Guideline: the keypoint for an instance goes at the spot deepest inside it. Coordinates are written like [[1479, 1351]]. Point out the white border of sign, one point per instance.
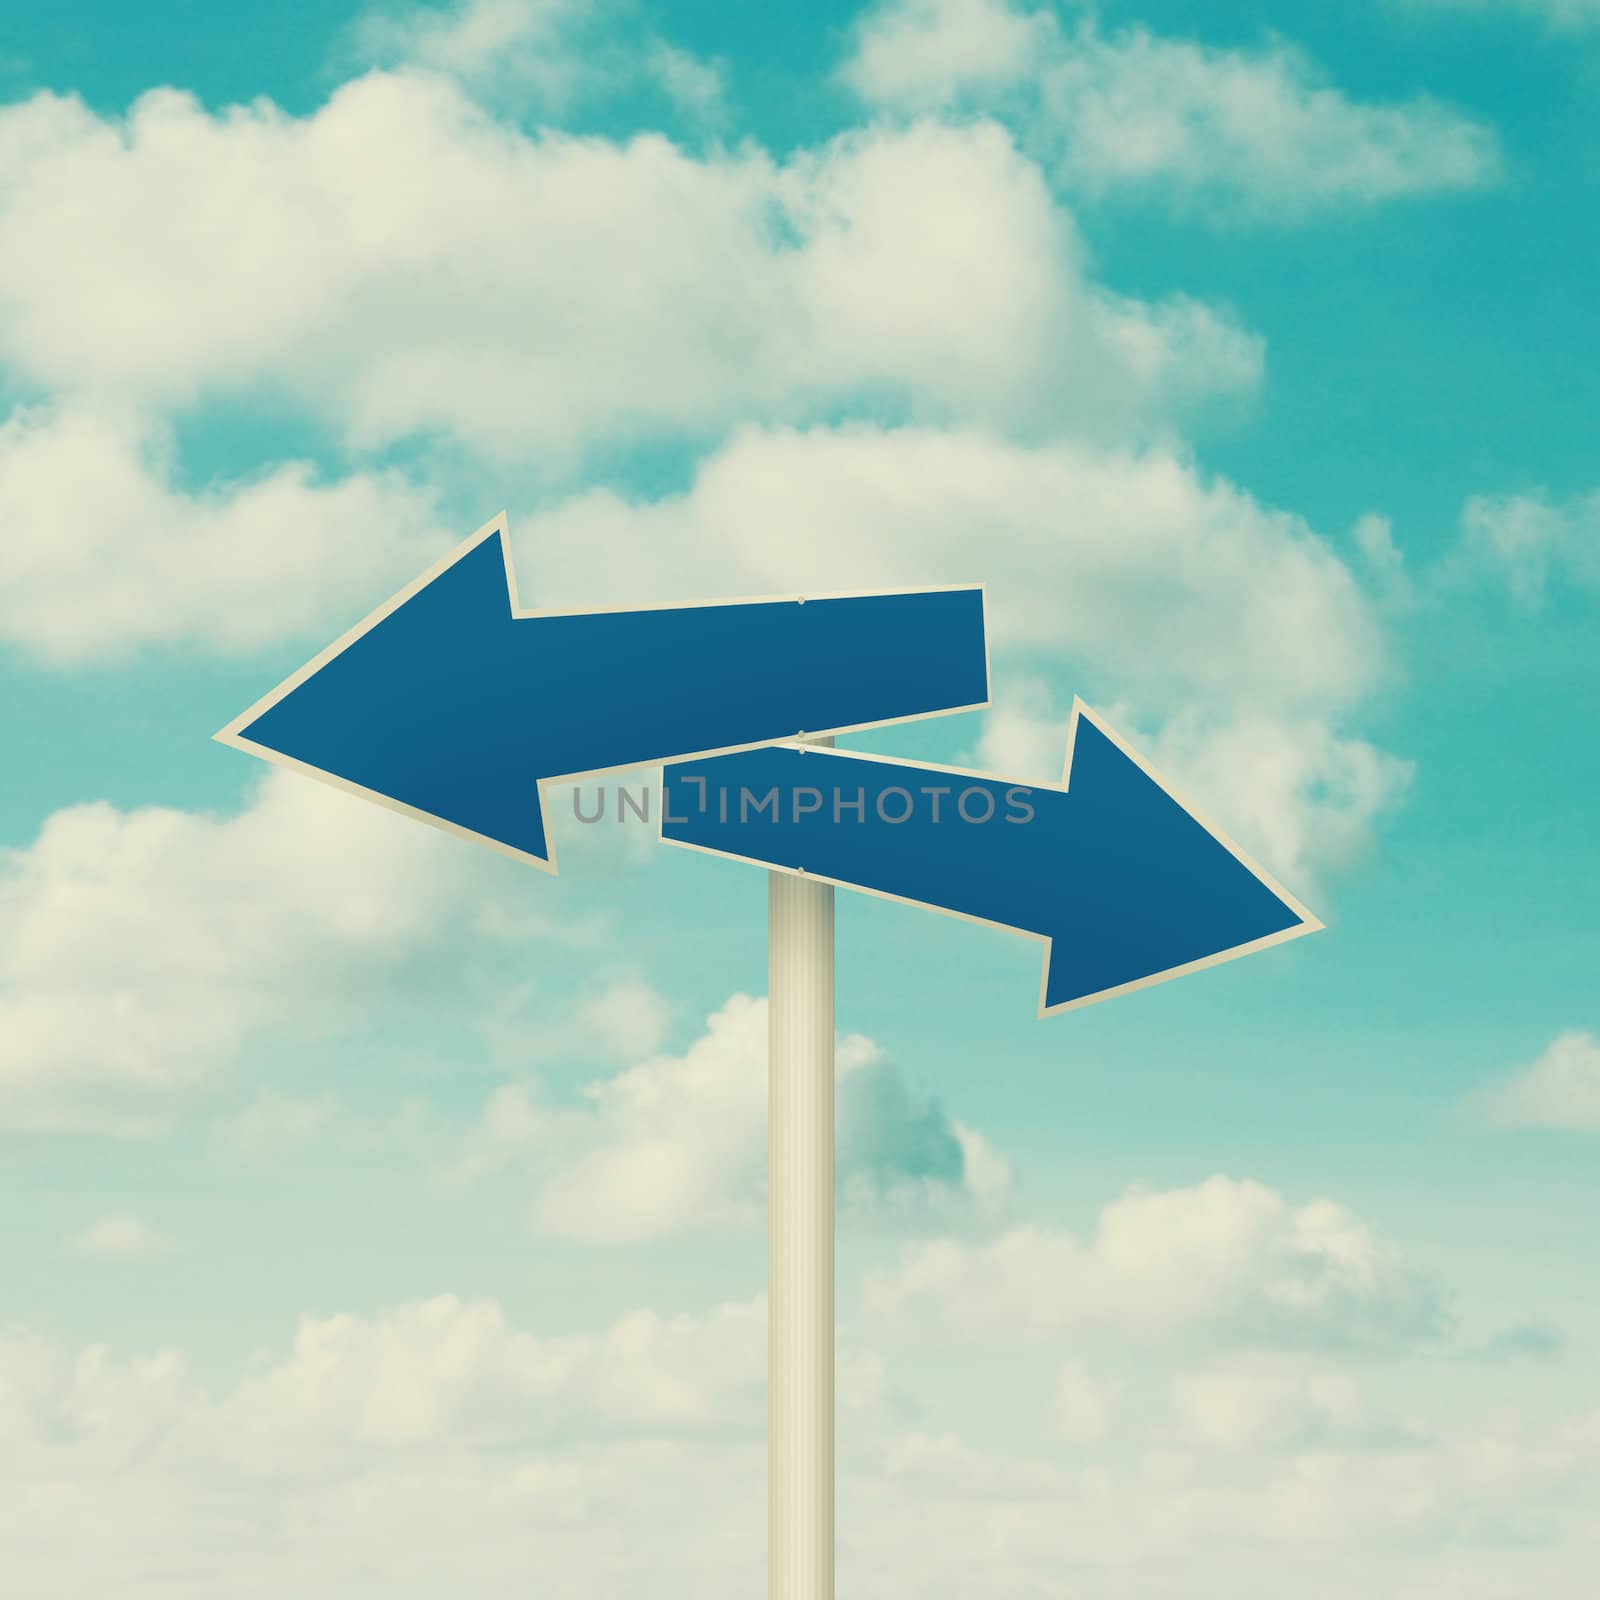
[[232, 734], [1309, 921]]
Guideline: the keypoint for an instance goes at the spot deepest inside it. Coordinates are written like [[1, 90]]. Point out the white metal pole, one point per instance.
[[800, 1237]]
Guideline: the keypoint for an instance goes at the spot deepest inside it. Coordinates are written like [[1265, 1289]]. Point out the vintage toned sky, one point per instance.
[[381, 1217]]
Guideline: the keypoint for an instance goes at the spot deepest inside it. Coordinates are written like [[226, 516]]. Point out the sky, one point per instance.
[[380, 1214]]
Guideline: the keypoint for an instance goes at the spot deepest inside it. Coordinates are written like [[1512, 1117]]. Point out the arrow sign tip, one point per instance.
[[1180, 895], [407, 709]]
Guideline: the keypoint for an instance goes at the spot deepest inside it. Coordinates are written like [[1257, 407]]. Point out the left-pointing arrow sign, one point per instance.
[[453, 704]]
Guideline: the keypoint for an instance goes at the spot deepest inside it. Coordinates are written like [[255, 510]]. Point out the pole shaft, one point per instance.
[[800, 1238]]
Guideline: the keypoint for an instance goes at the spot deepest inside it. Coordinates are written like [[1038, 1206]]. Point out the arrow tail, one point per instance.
[[967, 844]]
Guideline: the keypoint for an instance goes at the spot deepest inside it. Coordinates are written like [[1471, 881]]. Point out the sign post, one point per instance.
[[456, 705], [800, 1111]]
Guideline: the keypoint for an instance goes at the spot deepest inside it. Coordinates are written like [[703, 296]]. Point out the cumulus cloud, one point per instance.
[[675, 1142], [924, 54], [102, 1407], [1300, 797], [545, 55], [110, 554], [121, 1235], [1285, 1407], [1229, 627], [1248, 1491], [140, 949], [426, 1443], [1258, 132], [534, 45], [273, 1121], [1084, 1405], [445, 1439], [1225, 1260], [1384, 561], [1305, 797], [429, 1370], [678, 1142], [1561, 1089], [1526, 539], [412, 266], [1167, 579], [619, 1019]]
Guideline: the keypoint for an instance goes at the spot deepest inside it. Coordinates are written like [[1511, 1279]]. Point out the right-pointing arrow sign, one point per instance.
[[1125, 885]]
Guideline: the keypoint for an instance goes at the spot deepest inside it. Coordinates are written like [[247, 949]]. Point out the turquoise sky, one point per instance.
[[380, 1214]]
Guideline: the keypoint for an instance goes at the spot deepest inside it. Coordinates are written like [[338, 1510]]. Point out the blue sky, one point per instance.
[[380, 1214]]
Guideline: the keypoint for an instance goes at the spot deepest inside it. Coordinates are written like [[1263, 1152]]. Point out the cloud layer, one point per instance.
[[414, 267], [1229, 631], [678, 1143], [139, 950], [1257, 133], [1526, 539], [1226, 1260], [112, 555], [444, 1439], [1561, 1089]]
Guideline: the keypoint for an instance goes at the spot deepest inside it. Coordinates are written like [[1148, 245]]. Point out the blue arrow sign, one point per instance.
[[1119, 878], [453, 704]]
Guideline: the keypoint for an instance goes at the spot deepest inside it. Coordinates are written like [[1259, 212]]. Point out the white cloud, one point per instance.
[[273, 1121], [1228, 625], [444, 1440], [1084, 1405], [533, 45], [1168, 581], [1383, 560], [1528, 538], [670, 1144], [413, 266], [510, 1126], [1247, 1407], [1559, 1090], [1224, 1260], [357, 237], [679, 1142], [108, 555], [547, 55], [121, 1235], [1024, 732], [621, 1020], [1255, 131], [1297, 796], [428, 1443], [108, 1407], [985, 1173], [1413, 1522], [1302, 797], [140, 949], [628, 1017], [921, 55], [429, 1370], [695, 86]]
